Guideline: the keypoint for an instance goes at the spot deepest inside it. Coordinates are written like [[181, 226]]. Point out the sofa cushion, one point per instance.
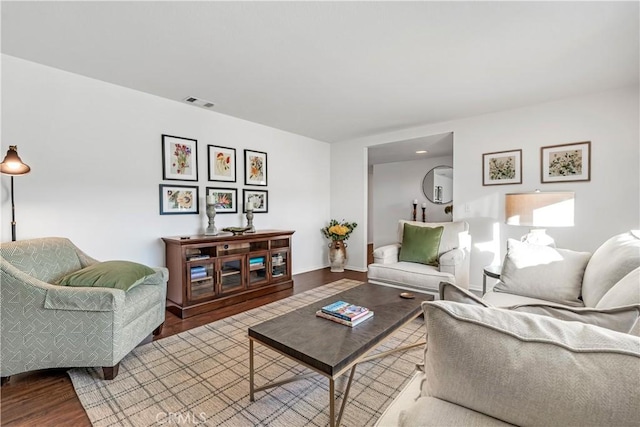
[[122, 275], [408, 275], [539, 370], [431, 412], [620, 319], [420, 244], [544, 272], [452, 234], [613, 260], [503, 299]]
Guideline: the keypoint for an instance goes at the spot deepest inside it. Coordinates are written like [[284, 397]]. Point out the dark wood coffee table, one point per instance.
[[329, 348]]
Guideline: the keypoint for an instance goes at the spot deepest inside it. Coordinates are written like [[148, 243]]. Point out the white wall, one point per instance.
[[606, 205], [95, 153], [395, 186]]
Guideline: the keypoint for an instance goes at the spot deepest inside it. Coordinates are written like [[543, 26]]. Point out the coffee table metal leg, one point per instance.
[[332, 402], [345, 396], [251, 398]]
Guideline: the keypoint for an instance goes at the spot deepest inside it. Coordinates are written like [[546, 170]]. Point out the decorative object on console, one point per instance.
[[178, 199], [211, 213], [236, 230], [338, 232], [415, 205], [502, 167], [255, 168], [565, 162], [540, 209], [424, 215], [13, 165], [249, 209], [225, 199], [179, 158], [258, 199]]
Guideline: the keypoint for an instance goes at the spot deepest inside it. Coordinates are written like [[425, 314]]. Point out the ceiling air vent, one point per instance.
[[199, 102]]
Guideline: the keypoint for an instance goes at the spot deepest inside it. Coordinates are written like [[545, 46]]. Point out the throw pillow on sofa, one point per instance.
[[122, 275], [420, 244], [543, 272], [624, 319]]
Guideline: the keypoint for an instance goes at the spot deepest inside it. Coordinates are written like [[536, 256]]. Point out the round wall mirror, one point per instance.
[[437, 185]]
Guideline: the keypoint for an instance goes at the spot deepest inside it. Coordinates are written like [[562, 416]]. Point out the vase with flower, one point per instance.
[[338, 233]]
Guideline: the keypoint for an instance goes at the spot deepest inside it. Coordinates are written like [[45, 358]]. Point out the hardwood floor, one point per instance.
[[47, 397]]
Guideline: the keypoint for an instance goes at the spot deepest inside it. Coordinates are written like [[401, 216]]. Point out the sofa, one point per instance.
[[47, 325], [452, 260], [532, 351]]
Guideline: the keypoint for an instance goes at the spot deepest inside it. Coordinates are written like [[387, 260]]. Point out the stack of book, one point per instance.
[[257, 262], [345, 313], [198, 272]]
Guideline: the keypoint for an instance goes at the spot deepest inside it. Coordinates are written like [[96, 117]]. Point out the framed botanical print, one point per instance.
[[225, 199], [502, 167], [178, 199], [222, 163], [565, 162], [255, 199], [255, 168], [179, 158]]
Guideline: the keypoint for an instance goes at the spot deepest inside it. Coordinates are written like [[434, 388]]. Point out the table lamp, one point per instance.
[[13, 165], [540, 210]]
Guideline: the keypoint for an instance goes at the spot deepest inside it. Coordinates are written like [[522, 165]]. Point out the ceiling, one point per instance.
[[336, 71]]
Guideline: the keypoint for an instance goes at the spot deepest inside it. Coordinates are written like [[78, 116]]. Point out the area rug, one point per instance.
[[201, 377]]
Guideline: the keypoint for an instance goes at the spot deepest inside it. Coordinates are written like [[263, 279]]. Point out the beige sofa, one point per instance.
[[546, 359], [453, 257]]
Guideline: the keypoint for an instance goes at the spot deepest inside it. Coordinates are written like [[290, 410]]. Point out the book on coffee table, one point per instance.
[[345, 310], [353, 323]]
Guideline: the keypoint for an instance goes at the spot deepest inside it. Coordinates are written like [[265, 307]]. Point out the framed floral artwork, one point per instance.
[[255, 168], [502, 167], [179, 158], [257, 199], [178, 199], [566, 162], [222, 163], [225, 199]]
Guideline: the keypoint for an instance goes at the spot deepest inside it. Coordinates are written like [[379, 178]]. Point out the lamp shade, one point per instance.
[[12, 164], [540, 209]]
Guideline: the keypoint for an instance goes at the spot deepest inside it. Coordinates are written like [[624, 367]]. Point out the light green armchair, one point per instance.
[[48, 326]]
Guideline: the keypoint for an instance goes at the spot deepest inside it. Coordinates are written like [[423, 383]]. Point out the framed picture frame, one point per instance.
[[502, 167], [178, 199], [258, 198], [179, 158], [255, 168], [226, 199], [565, 162], [222, 163]]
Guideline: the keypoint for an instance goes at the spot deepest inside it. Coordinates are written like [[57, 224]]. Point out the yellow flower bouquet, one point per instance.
[[338, 230]]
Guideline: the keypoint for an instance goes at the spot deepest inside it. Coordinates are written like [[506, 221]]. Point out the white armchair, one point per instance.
[[453, 256]]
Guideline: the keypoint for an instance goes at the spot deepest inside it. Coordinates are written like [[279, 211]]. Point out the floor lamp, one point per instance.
[[13, 165]]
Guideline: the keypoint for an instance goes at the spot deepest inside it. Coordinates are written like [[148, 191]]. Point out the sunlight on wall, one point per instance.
[[492, 246]]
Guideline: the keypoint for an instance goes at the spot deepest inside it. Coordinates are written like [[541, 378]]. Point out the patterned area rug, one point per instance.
[[201, 376]]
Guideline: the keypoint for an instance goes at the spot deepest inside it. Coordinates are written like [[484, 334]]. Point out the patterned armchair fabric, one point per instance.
[[49, 326]]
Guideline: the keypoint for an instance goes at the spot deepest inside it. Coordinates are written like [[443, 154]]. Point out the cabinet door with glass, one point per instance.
[[257, 268], [231, 274], [200, 280], [280, 265]]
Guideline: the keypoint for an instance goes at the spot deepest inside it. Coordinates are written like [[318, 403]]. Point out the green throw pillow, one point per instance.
[[420, 244], [109, 274]]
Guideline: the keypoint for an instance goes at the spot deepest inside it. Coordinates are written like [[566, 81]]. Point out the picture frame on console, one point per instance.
[[255, 168], [179, 158], [226, 199], [259, 199], [222, 163], [502, 167], [565, 162], [178, 199]]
